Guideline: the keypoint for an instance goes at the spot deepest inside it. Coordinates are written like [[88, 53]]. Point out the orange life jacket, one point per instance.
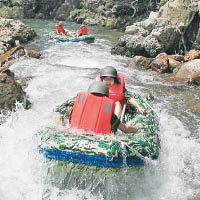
[[92, 113], [84, 30], [116, 92], [60, 29]]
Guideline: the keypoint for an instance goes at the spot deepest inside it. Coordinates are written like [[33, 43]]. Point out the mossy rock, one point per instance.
[[111, 22], [11, 12]]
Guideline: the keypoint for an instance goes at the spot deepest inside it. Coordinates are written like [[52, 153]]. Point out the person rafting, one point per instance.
[[60, 30], [117, 91], [94, 111], [82, 31]]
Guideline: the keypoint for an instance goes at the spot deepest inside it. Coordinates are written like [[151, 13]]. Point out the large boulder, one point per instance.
[[179, 13], [11, 31], [189, 69], [175, 28], [139, 62], [11, 92]]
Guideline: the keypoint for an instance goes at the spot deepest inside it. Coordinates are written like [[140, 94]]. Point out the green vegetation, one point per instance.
[[161, 3], [75, 13], [14, 12], [100, 9], [111, 22]]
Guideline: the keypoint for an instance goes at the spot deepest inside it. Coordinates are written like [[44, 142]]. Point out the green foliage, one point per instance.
[[111, 22], [11, 12], [100, 9], [75, 12], [161, 3]]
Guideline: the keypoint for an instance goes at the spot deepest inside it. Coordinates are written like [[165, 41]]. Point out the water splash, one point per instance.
[[64, 70]]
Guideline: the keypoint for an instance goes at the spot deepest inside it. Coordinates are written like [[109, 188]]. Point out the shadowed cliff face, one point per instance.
[[50, 9], [112, 14], [44, 9]]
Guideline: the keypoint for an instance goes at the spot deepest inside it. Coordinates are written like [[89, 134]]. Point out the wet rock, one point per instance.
[[32, 53], [195, 80], [191, 55], [23, 81], [177, 81], [196, 108], [177, 57], [174, 65], [10, 90], [12, 30], [161, 63], [135, 29], [10, 93], [139, 62], [175, 28], [179, 12], [189, 72], [7, 65], [188, 69]]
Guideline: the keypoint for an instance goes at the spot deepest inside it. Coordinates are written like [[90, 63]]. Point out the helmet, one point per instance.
[[109, 71], [61, 23], [98, 87]]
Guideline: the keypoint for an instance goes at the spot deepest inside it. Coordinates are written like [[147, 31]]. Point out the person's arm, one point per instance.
[[130, 129], [57, 32], [86, 31], [131, 100], [62, 32], [115, 124], [77, 33], [70, 34], [136, 104], [118, 109]]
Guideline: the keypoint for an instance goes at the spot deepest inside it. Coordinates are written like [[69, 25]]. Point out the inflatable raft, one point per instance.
[[110, 151], [64, 38]]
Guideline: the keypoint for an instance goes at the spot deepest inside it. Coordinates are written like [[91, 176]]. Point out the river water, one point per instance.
[[67, 68]]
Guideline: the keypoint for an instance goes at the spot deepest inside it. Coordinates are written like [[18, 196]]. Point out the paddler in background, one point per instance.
[[83, 31], [60, 30]]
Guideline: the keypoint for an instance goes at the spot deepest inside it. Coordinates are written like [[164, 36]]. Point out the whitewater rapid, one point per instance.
[[63, 70]]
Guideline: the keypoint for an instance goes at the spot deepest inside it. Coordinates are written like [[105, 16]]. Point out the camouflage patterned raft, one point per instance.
[[65, 38], [112, 151]]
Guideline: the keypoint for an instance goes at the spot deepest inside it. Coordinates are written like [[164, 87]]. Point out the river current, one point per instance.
[[67, 68]]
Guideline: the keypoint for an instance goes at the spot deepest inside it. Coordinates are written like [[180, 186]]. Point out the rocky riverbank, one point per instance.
[[167, 41], [13, 32], [174, 29]]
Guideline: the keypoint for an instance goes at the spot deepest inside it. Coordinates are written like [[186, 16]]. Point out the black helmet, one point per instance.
[[109, 71], [98, 87]]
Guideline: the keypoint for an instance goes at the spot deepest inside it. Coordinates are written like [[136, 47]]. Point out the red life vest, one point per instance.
[[116, 92], [84, 30], [60, 29], [92, 113]]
